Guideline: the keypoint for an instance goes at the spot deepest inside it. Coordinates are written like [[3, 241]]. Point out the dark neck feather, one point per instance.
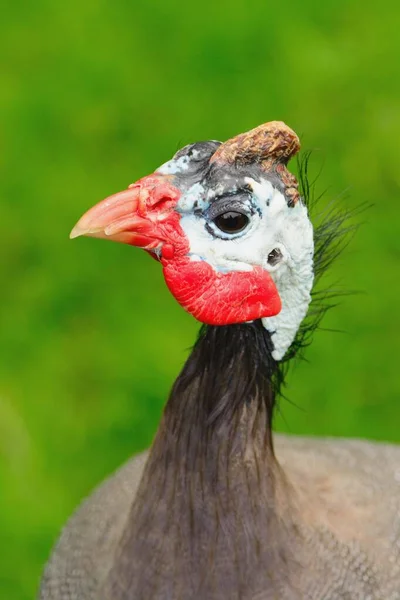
[[207, 520], [230, 372]]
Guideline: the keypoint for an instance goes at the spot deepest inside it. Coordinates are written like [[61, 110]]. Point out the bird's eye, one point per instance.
[[231, 222]]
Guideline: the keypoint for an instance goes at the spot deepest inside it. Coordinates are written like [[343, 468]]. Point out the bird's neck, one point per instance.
[[208, 514], [221, 405]]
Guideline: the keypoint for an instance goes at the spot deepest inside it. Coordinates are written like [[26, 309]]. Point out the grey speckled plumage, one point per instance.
[[348, 495]]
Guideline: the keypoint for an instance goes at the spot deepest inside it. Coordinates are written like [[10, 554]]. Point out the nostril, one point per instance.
[[163, 204], [274, 257], [160, 208]]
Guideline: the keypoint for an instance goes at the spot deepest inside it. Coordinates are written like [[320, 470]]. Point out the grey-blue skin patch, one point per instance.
[[189, 163], [193, 200], [208, 203]]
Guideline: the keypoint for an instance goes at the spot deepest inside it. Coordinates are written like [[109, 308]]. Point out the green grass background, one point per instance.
[[96, 94]]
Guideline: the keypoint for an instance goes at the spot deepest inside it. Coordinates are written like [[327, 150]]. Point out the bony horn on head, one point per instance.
[[270, 146]]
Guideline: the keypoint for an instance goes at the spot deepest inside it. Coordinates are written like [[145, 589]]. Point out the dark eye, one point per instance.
[[231, 222]]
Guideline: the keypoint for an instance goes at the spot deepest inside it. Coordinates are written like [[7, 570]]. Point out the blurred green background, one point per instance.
[[96, 94]]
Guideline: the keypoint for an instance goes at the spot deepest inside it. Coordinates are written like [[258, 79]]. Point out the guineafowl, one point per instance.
[[219, 508]]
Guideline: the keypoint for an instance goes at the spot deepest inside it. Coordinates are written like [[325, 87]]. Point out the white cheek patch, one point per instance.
[[294, 280], [274, 226]]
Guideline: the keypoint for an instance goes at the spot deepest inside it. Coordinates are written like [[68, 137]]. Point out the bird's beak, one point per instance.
[[134, 216]]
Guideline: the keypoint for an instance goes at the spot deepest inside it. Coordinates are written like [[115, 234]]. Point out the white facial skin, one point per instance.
[[273, 225], [177, 165]]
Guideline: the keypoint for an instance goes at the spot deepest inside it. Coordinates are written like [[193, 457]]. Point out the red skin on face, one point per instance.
[[212, 297], [145, 216]]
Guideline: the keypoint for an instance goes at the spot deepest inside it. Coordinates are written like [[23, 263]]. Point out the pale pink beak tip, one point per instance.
[[90, 232], [76, 232]]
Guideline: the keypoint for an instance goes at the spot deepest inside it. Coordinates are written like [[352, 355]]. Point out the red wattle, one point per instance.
[[221, 298]]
